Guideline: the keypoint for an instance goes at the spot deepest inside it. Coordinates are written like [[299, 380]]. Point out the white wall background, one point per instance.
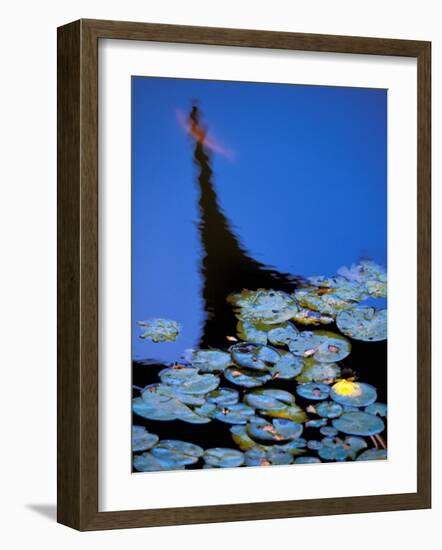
[[28, 268]]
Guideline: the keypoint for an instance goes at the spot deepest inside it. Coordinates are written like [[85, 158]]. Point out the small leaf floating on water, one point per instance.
[[359, 423], [313, 390], [264, 306], [220, 457], [142, 440], [159, 330], [363, 323], [373, 454]]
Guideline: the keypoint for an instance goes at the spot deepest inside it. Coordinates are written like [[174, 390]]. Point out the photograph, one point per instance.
[[258, 273]]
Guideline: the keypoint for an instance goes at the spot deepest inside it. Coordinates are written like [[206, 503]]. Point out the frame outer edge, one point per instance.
[[77, 225], [424, 275], [68, 273]]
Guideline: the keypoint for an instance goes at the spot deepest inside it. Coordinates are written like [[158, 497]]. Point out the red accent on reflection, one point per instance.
[[198, 133]]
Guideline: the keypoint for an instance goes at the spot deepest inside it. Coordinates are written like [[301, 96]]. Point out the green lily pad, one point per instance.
[[239, 413], [251, 333], [307, 316], [247, 378], [373, 454], [307, 460], [322, 346], [271, 399], [177, 452], [146, 462], [368, 274], [159, 330], [189, 380], [220, 457], [329, 300], [313, 390], [210, 360], [292, 412], [287, 367], [318, 372], [328, 409], [254, 356], [175, 392], [316, 423], [363, 323], [275, 432], [283, 335], [334, 448], [264, 306], [359, 423], [223, 396], [142, 440], [328, 431], [378, 409], [357, 394], [261, 457], [242, 438], [155, 405]]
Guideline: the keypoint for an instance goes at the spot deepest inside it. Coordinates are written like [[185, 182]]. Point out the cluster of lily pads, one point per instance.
[[277, 338]]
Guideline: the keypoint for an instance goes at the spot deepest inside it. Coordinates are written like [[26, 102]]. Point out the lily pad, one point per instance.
[[155, 405], [359, 423], [277, 431], [239, 413], [307, 316], [220, 457], [328, 300], [313, 390], [368, 274], [247, 378], [357, 394], [318, 372], [159, 330], [287, 367], [307, 460], [251, 333], [223, 396], [210, 360], [378, 409], [264, 306], [271, 399], [373, 454], [142, 440], [254, 356], [179, 453], [334, 448], [283, 335], [328, 431], [189, 380], [328, 409], [261, 457], [292, 412], [316, 423], [323, 346], [242, 438], [363, 323], [146, 462]]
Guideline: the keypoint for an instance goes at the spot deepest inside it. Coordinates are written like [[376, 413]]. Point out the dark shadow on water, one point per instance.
[[226, 266], [49, 511]]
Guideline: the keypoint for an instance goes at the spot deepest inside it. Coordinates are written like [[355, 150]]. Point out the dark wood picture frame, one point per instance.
[[78, 274]]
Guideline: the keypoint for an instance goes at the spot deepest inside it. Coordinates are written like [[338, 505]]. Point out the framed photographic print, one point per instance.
[[244, 275]]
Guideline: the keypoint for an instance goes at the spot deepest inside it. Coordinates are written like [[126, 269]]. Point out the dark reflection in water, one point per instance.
[[227, 267]]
